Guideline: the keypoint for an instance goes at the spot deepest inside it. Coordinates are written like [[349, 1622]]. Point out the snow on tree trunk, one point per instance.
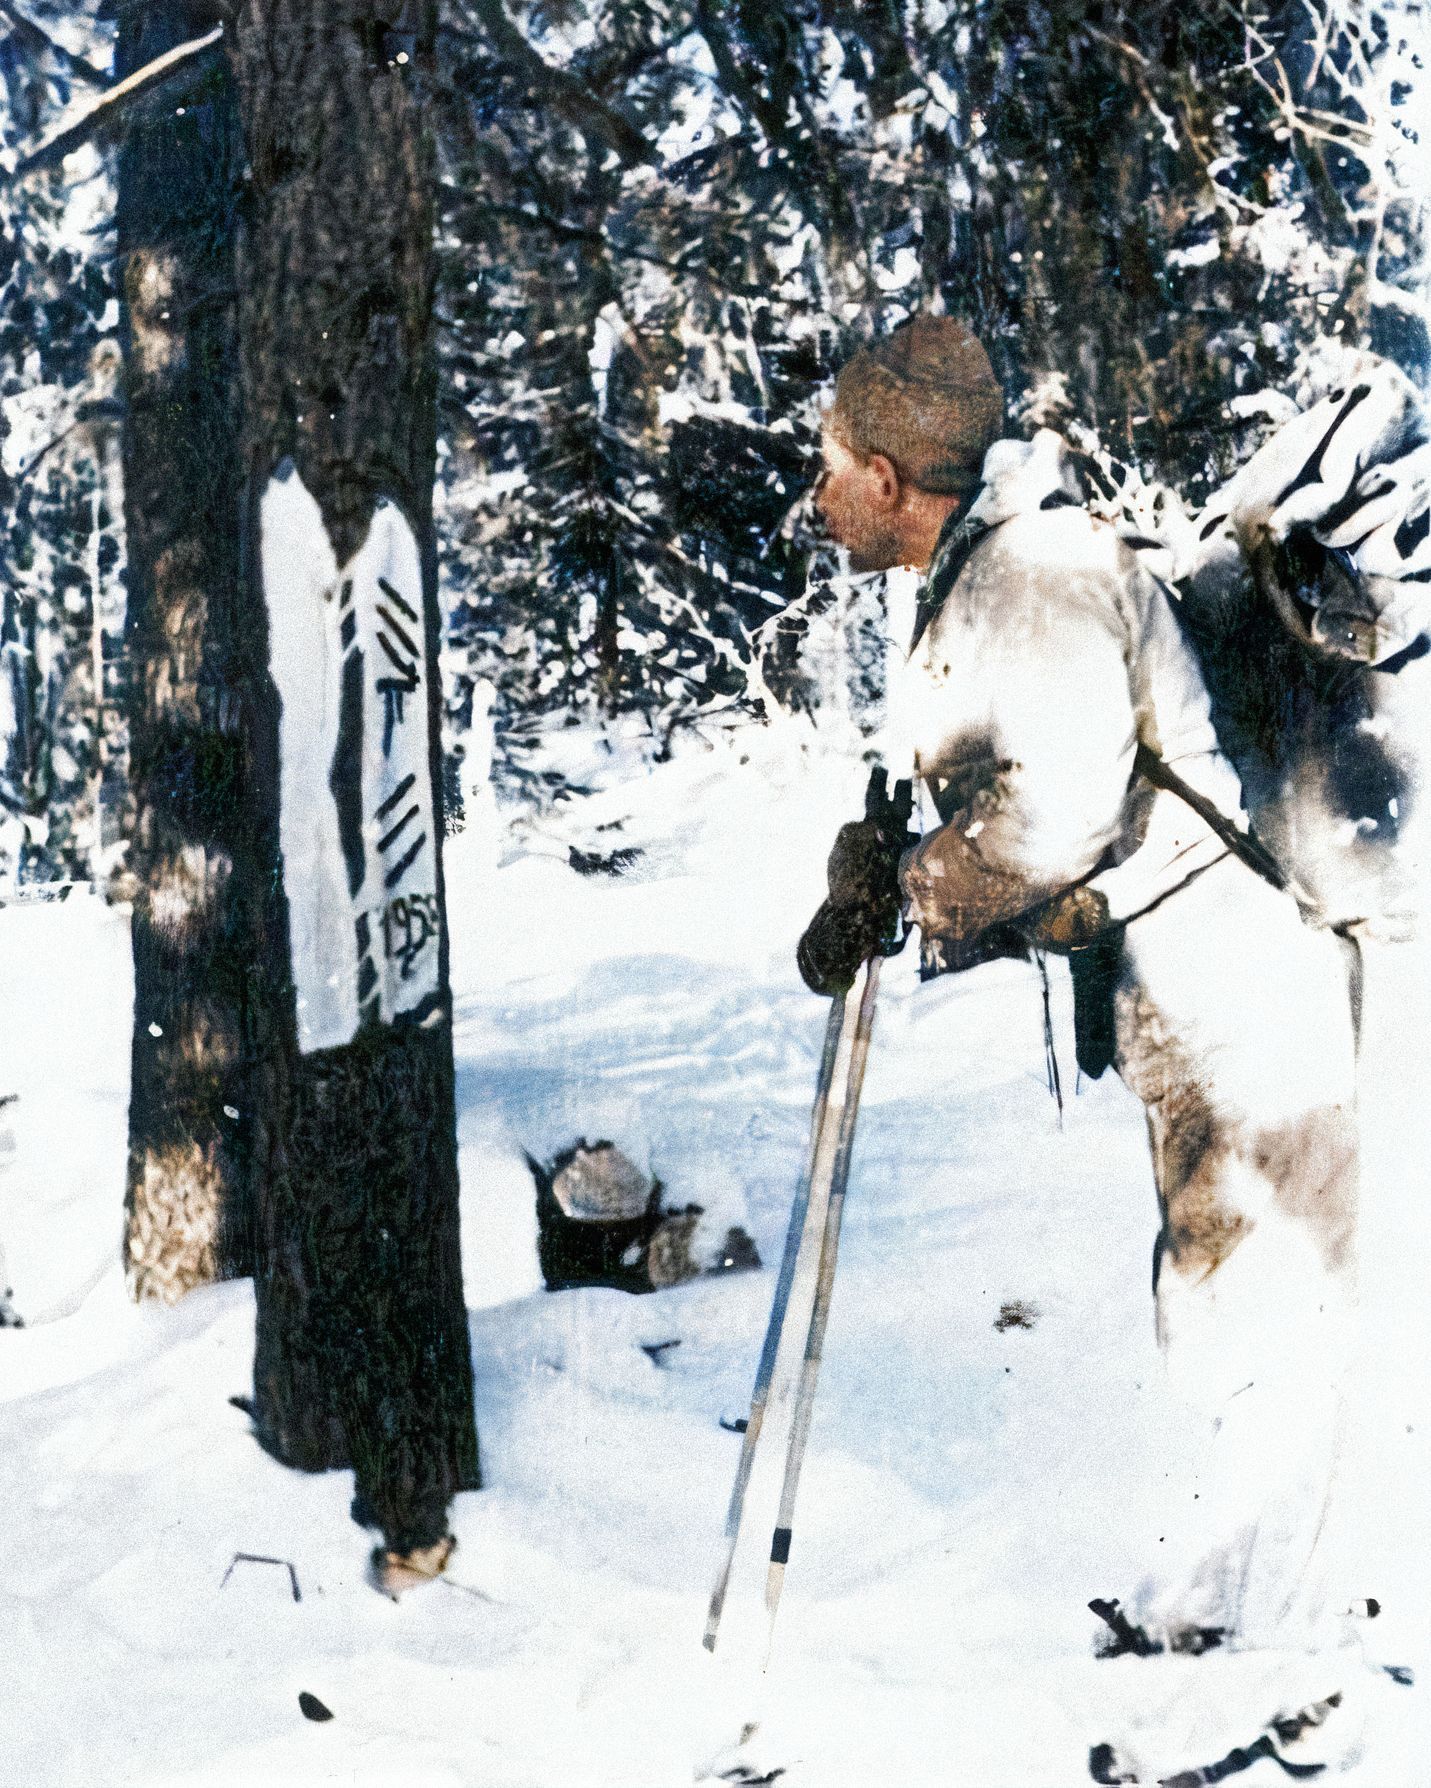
[[191, 860], [362, 1350]]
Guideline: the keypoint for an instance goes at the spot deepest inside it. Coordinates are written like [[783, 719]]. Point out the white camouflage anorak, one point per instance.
[[1050, 655]]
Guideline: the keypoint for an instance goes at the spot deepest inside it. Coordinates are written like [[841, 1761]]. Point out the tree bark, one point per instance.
[[362, 1348], [191, 864]]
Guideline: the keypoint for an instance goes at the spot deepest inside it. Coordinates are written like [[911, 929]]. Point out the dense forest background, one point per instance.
[[662, 225]]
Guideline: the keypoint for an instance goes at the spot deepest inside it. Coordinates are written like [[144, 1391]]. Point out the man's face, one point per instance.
[[858, 506]]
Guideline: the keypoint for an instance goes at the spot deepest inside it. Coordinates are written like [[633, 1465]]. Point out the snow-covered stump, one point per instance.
[[362, 1353], [601, 1220], [597, 1213], [191, 864]]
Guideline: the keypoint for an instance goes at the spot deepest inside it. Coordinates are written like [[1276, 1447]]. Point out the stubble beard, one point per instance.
[[879, 550]]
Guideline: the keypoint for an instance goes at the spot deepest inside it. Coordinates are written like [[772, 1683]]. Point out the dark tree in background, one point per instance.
[[61, 528], [192, 870], [362, 1352], [1172, 205]]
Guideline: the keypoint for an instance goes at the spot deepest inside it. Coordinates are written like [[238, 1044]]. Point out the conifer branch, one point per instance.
[[39, 39], [570, 97], [84, 121]]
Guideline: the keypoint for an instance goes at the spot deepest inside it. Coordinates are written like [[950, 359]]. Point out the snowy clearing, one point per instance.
[[991, 1434]]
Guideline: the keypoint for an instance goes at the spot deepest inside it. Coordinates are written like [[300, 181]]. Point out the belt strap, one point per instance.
[[1253, 853]]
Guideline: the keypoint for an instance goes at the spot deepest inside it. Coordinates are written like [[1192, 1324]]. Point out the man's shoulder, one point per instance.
[[1063, 537], [1038, 570], [1032, 502]]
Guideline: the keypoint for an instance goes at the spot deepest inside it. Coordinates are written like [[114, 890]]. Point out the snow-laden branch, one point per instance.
[[1390, 297], [40, 39], [569, 96], [81, 122]]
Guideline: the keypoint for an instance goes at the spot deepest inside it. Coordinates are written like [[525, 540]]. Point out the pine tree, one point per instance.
[[192, 870], [362, 1350]]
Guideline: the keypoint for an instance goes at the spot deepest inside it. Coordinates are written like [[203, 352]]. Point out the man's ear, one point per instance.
[[888, 490]]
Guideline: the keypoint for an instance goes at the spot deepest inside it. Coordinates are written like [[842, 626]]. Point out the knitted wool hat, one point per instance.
[[926, 398]]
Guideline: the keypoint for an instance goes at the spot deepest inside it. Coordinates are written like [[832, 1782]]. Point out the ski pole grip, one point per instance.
[[892, 813]]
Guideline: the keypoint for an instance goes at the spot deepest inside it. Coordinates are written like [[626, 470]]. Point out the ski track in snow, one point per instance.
[[966, 1491]]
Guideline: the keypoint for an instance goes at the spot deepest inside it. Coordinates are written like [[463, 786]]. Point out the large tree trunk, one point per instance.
[[191, 862], [362, 1352]]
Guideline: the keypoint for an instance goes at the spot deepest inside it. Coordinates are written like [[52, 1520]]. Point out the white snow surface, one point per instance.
[[967, 1488]]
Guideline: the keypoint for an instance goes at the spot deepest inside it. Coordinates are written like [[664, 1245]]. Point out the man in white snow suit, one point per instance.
[[1063, 735]]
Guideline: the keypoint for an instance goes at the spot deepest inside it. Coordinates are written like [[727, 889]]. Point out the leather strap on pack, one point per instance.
[[1253, 853]]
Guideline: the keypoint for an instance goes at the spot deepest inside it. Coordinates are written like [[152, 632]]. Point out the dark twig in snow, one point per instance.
[[259, 1558]]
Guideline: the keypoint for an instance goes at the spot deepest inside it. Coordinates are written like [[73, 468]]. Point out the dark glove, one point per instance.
[[1070, 922], [862, 916]]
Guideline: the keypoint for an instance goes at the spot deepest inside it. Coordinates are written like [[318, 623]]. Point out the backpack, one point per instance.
[[1304, 589]]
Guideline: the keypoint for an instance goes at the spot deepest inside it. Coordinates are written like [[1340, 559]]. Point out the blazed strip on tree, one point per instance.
[[192, 859], [362, 1351]]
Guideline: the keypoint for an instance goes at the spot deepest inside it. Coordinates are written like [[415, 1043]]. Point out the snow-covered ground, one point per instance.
[[970, 1483]]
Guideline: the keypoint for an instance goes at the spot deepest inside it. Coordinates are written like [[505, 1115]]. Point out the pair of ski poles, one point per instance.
[[784, 1395]]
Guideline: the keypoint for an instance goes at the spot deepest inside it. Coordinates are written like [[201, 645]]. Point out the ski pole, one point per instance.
[[785, 1378], [774, 1328], [783, 1534], [794, 1338]]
